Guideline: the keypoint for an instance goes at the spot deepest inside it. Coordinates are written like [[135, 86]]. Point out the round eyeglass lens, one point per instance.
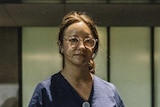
[[89, 42]]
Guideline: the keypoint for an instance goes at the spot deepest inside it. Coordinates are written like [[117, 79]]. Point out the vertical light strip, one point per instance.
[[157, 67]]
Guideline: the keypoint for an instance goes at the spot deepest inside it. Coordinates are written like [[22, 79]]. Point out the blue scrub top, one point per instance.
[[57, 92]]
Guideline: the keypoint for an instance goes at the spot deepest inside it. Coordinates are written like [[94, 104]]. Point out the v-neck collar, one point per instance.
[[76, 93]]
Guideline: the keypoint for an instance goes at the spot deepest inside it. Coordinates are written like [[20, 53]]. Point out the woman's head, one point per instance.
[[76, 17]]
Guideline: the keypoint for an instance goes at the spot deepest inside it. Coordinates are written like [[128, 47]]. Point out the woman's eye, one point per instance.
[[88, 40], [73, 40]]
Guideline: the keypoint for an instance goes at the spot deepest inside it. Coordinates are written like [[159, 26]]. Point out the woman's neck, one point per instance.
[[77, 74]]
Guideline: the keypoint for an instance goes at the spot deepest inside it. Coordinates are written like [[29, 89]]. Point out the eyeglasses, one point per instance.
[[87, 42]]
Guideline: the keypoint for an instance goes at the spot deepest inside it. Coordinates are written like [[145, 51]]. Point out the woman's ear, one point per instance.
[[60, 47]]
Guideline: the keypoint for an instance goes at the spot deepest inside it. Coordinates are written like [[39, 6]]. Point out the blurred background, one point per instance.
[[129, 53]]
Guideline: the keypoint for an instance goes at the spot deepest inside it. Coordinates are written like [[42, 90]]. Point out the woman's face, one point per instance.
[[75, 52]]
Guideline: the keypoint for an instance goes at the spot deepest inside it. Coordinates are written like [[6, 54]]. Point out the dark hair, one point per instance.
[[74, 17]]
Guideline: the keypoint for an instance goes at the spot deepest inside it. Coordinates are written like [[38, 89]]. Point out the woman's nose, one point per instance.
[[81, 44]]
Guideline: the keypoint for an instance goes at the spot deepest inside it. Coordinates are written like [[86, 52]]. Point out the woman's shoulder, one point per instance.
[[103, 83], [47, 82], [105, 89]]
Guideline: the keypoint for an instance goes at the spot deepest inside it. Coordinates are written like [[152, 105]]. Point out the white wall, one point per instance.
[[130, 64]]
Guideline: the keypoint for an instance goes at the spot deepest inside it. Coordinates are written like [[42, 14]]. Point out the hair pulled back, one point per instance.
[[75, 17]]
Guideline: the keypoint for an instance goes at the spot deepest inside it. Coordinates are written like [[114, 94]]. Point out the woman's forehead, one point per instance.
[[77, 29]]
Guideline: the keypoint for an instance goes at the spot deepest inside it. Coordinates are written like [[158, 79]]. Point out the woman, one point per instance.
[[76, 85]]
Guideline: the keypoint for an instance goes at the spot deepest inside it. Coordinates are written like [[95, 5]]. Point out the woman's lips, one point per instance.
[[83, 55]]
